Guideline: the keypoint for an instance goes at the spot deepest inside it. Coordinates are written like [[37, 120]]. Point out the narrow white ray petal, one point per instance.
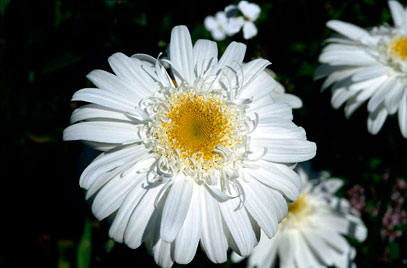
[[136, 232], [270, 175], [258, 204], [304, 252], [105, 98], [181, 54], [352, 105], [213, 240], [369, 83], [187, 240], [286, 150], [106, 132], [278, 129], [397, 12], [370, 72], [112, 194], [351, 31], [98, 112], [380, 94], [265, 253], [110, 82], [258, 86], [239, 226], [392, 100], [333, 239], [353, 58], [121, 221], [128, 69], [293, 101], [330, 185], [176, 207], [340, 96], [286, 250], [402, 114], [233, 56], [205, 54], [272, 111], [162, 254], [319, 247], [348, 226]]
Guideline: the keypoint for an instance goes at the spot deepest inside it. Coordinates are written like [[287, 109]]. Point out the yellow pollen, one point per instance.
[[399, 47], [197, 125], [299, 209]]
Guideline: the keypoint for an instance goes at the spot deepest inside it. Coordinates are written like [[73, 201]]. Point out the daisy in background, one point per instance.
[[195, 154], [371, 65], [234, 18], [312, 233]]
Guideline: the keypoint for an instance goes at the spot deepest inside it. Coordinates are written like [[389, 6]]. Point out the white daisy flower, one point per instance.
[[369, 64], [219, 26], [312, 233], [195, 155]]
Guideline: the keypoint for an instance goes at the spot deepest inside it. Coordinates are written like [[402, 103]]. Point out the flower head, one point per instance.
[[369, 65], [311, 234], [195, 153]]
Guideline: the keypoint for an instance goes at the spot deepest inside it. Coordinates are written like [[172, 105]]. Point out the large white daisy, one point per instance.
[[312, 233], [369, 64], [198, 154]]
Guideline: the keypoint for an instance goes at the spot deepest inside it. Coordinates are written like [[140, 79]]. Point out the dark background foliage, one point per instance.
[[47, 48]]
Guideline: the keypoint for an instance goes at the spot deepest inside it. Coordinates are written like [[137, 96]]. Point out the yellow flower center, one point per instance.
[[399, 47], [298, 212], [196, 126]]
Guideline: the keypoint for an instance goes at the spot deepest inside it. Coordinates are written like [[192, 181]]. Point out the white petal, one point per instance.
[[264, 255], [176, 208], [121, 221], [181, 52], [273, 111], [106, 132], [402, 115], [188, 237], [112, 83], [392, 100], [351, 31], [205, 56], [340, 96], [260, 85], [98, 112], [111, 196], [273, 176], [233, 56], [249, 30], [238, 223], [330, 186], [127, 69], [292, 100], [397, 12], [251, 71], [286, 150], [218, 35], [319, 247], [141, 217], [210, 23], [108, 161], [376, 120], [260, 207], [105, 98], [213, 240], [380, 94], [162, 254], [370, 72], [249, 10], [278, 129]]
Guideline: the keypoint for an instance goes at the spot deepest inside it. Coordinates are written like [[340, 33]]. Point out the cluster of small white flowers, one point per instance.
[[232, 19]]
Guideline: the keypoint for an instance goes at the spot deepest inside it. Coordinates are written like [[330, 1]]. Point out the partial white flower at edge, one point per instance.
[[371, 65], [250, 12], [312, 233], [195, 154]]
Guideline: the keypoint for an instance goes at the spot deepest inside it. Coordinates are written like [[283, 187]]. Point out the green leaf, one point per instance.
[[85, 246]]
